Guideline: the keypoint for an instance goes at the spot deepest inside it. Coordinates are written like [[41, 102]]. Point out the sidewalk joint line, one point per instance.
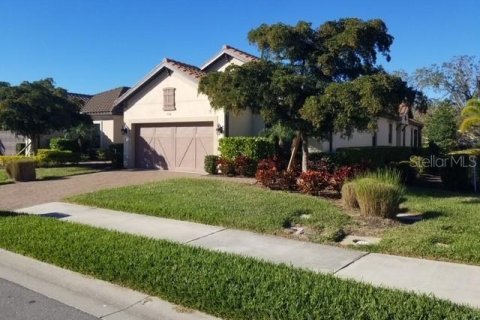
[[125, 308], [351, 262], [204, 236]]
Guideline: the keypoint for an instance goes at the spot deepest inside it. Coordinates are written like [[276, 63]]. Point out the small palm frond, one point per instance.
[[470, 123]]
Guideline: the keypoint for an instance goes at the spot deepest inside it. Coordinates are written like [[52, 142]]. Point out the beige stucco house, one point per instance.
[[400, 131], [107, 118], [169, 125]]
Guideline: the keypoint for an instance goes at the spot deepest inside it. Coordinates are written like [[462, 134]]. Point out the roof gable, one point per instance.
[[190, 71], [229, 51]]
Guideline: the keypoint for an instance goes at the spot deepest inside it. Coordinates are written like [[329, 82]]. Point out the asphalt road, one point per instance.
[[19, 303]]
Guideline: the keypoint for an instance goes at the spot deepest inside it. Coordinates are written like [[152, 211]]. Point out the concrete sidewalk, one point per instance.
[[95, 297], [456, 282]]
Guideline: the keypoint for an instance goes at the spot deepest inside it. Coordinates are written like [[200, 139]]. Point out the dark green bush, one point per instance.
[[375, 156], [408, 173], [49, 157], [455, 172], [255, 148], [116, 154], [211, 164], [63, 144], [21, 170]]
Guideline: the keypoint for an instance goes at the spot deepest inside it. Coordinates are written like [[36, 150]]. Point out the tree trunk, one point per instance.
[[304, 152], [295, 145], [301, 137], [34, 141]]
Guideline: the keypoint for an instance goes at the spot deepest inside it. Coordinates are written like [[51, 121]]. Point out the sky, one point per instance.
[[89, 46]]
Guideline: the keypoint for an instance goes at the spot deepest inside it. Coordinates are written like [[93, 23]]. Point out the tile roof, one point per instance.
[[188, 69], [83, 98], [245, 55], [103, 102], [233, 52]]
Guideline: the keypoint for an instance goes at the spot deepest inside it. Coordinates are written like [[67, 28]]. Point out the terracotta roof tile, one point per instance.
[[247, 56], [83, 98], [103, 103], [189, 69]]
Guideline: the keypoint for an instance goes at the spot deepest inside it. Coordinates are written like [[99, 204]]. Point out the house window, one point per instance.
[[374, 139], [404, 136], [415, 138], [96, 136], [411, 137], [390, 133], [169, 99]]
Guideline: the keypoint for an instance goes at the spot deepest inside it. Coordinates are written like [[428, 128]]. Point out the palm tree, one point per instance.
[[471, 116]]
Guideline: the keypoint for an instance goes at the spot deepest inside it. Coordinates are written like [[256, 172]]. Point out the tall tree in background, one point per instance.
[[441, 126], [457, 79], [315, 81], [36, 108]]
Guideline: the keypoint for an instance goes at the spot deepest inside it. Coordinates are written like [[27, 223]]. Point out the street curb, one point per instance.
[[96, 297]]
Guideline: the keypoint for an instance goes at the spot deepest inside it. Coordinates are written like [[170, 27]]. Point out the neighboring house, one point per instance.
[[400, 131], [107, 118], [8, 142], [170, 126]]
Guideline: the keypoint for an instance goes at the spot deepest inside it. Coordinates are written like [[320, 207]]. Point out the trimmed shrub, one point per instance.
[[4, 160], [455, 172], [313, 182], [255, 148], [63, 144], [115, 152], [379, 193], [49, 157], [271, 173], [210, 164], [21, 170], [349, 197], [244, 166], [225, 166], [375, 156]]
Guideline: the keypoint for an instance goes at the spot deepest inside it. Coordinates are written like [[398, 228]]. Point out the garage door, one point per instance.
[[180, 147], [8, 142]]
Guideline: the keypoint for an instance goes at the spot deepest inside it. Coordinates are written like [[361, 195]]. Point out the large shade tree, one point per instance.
[[36, 108], [457, 80], [317, 81]]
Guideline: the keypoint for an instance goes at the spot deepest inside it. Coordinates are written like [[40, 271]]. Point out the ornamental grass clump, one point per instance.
[[379, 193], [349, 197]]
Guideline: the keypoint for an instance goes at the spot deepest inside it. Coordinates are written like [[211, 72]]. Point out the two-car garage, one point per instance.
[[173, 146]]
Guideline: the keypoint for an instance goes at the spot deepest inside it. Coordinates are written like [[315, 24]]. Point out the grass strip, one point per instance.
[[220, 284], [227, 204]]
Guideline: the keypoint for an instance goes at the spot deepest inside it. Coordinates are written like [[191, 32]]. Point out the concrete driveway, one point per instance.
[[25, 194]]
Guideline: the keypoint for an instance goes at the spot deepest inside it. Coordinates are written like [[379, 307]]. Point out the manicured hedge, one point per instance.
[[255, 148], [21, 170], [224, 285], [6, 159], [64, 144], [375, 156], [49, 157], [210, 164]]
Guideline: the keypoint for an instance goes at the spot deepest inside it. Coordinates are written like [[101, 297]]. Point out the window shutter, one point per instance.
[[169, 99]]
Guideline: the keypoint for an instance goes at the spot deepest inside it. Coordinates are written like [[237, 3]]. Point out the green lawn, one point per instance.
[[221, 284], [222, 203], [53, 173], [451, 230]]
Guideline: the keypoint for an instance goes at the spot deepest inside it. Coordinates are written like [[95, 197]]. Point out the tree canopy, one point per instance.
[[314, 80], [457, 79], [35, 108], [441, 126]]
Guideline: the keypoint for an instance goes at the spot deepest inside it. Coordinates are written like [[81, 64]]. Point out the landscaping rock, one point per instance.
[[409, 217], [359, 240]]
